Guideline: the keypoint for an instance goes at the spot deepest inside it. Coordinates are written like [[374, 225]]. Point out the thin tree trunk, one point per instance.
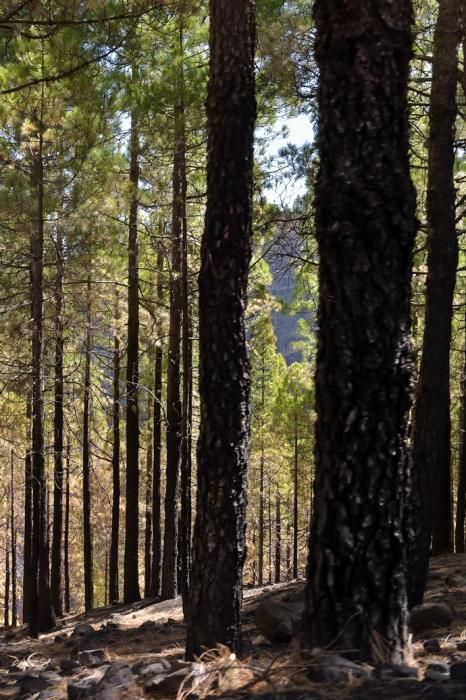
[[278, 538], [219, 534], [6, 596], [174, 404], [113, 585], [157, 440], [57, 539], [148, 511], [41, 613], [269, 500], [86, 456], [295, 497], [66, 549], [27, 545], [131, 559], [432, 518], [461, 494], [14, 615], [260, 572], [365, 227]]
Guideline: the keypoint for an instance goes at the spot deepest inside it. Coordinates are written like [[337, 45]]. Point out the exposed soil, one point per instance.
[[148, 632]]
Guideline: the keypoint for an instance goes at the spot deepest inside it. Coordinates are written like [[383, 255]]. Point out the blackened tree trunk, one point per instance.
[[57, 538], [278, 538], [432, 450], [14, 614], [295, 496], [41, 613], [66, 535], [148, 509], [157, 441], [27, 544], [174, 404], [365, 226], [113, 587], [6, 595], [131, 560], [219, 533], [260, 557], [86, 457], [461, 493]]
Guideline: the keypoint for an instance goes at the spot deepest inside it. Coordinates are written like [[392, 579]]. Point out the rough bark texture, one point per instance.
[[14, 614], [157, 441], [27, 546], [432, 450], [57, 535], [278, 538], [66, 535], [295, 497], [174, 405], [219, 533], [148, 507], [86, 456], [41, 614], [461, 493], [365, 225], [131, 564], [113, 588]]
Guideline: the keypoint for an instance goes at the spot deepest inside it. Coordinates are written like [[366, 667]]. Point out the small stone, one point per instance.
[[32, 683], [84, 629], [436, 676], [167, 683], [432, 646], [397, 671], [331, 668], [458, 671], [117, 679], [92, 657], [147, 625], [429, 615], [154, 669], [68, 665], [82, 687]]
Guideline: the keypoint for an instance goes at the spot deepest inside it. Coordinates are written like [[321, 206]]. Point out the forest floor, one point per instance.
[[136, 651]]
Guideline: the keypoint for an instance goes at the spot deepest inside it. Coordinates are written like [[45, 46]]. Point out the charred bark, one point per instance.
[[86, 462], [113, 585], [366, 227], [219, 532]]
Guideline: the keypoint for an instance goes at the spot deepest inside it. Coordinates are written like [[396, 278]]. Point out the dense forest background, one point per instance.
[[102, 199]]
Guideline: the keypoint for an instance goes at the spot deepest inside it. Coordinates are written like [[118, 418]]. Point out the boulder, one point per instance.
[[429, 615], [331, 668], [83, 629], [277, 620], [455, 581]]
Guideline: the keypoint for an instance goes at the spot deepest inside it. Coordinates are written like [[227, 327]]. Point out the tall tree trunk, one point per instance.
[[148, 510], [365, 227], [432, 451], [131, 560], [6, 596], [86, 456], [260, 564], [157, 440], [66, 536], [14, 615], [269, 502], [41, 613], [295, 496], [113, 587], [278, 538], [27, 546], [461, 494], [174, 405], [219, 533], [57, 539]]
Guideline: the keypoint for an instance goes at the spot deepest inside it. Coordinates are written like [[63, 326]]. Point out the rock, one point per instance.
[[32, 683], [84, 629], [147, 625], [59, 638], [155, 669], [436, 676], [429, 615], [331, 668], [117, 679], [82, 687], [92, 657], [167, 683], [432, 646], [68, 665], [458, 671], [455, 581], [386, 671], [277, 620], [141, 664]]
